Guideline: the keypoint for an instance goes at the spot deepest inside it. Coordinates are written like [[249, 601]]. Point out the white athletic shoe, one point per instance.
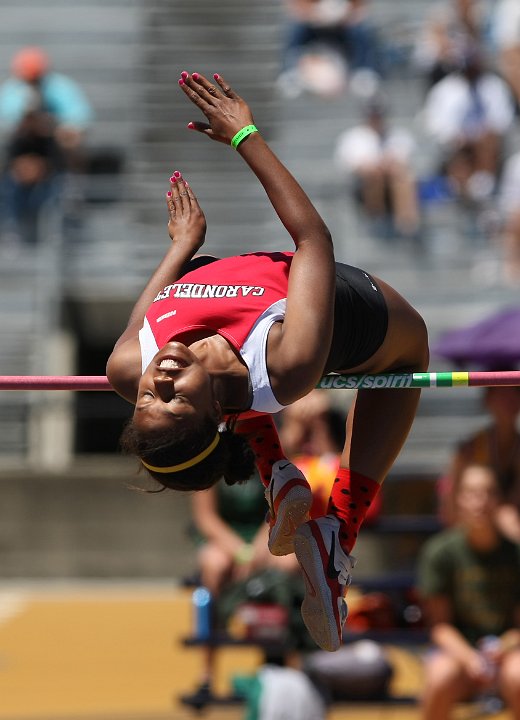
[[327, 574], [289, 497]]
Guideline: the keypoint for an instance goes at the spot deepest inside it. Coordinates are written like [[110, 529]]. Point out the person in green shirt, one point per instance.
[[469, 583]]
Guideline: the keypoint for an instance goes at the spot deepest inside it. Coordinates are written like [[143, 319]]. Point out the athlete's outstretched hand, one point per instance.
[[226, 112], [186, 221]]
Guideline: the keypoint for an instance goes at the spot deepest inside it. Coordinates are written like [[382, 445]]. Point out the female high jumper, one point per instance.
[[210, 340]]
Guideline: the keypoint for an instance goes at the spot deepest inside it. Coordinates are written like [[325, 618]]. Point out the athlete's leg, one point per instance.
[[377, 426], [262, 435], [379, 421], [287, 492]]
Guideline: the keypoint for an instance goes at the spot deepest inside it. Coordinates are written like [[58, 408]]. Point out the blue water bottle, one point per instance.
[[201, 600]]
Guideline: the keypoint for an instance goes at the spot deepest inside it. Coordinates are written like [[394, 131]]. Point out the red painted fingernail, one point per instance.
[[173, 179], [169, 193], [216, 76], [181, 81], [185, 183], [195, 76], [191, 125], [177, 174], [184, 74]]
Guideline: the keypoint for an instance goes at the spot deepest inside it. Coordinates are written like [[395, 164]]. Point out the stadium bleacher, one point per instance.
[[128, 55]]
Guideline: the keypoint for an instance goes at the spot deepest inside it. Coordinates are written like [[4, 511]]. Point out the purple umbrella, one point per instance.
[[492, 343]]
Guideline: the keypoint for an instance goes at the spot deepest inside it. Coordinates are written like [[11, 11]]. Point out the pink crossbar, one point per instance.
[[424, 380], [54, 382]]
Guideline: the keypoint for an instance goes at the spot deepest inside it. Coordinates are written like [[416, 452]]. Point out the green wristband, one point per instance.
[[242, 134]]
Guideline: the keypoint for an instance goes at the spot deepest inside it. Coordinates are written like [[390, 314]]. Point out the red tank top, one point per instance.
[[226, 296]]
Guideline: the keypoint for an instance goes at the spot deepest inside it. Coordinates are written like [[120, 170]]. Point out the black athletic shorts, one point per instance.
[[360, 319], [360, 315]]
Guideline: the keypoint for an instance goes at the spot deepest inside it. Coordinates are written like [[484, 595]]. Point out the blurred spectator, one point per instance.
[[375, 160], [506, 37], [449, 30], [312, 434], [44, 116], [31, 178], [469, 580], [317, 27], [229, 522], [469, 113], [509, 213], [497, 445], [311, 426], [280, 693], [34, 86]]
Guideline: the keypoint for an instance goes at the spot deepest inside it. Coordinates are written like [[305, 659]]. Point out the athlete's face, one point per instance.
[[174, 388]]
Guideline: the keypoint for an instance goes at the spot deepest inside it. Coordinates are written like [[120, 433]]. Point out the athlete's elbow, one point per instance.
[[319, 235]]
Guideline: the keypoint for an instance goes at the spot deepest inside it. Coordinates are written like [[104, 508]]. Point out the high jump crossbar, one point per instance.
[[328, 382]]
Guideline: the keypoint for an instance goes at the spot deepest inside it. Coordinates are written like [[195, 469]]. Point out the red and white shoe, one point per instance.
[[289, 497], [326, 570]]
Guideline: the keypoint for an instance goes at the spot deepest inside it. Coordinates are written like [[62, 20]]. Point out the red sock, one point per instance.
[[263, 437], [350, 499]]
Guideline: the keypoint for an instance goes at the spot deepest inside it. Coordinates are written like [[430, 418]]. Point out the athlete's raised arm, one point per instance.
[[304, 342], [187, 229]]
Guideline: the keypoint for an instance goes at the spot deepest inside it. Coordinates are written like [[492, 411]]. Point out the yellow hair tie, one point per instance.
[[188, 463]]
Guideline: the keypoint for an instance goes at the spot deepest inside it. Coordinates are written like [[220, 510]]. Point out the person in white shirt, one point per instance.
[[469, 113], [376, 161]]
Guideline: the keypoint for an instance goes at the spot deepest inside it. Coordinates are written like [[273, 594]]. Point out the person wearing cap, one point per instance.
[[34, 86], [44, 116]]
